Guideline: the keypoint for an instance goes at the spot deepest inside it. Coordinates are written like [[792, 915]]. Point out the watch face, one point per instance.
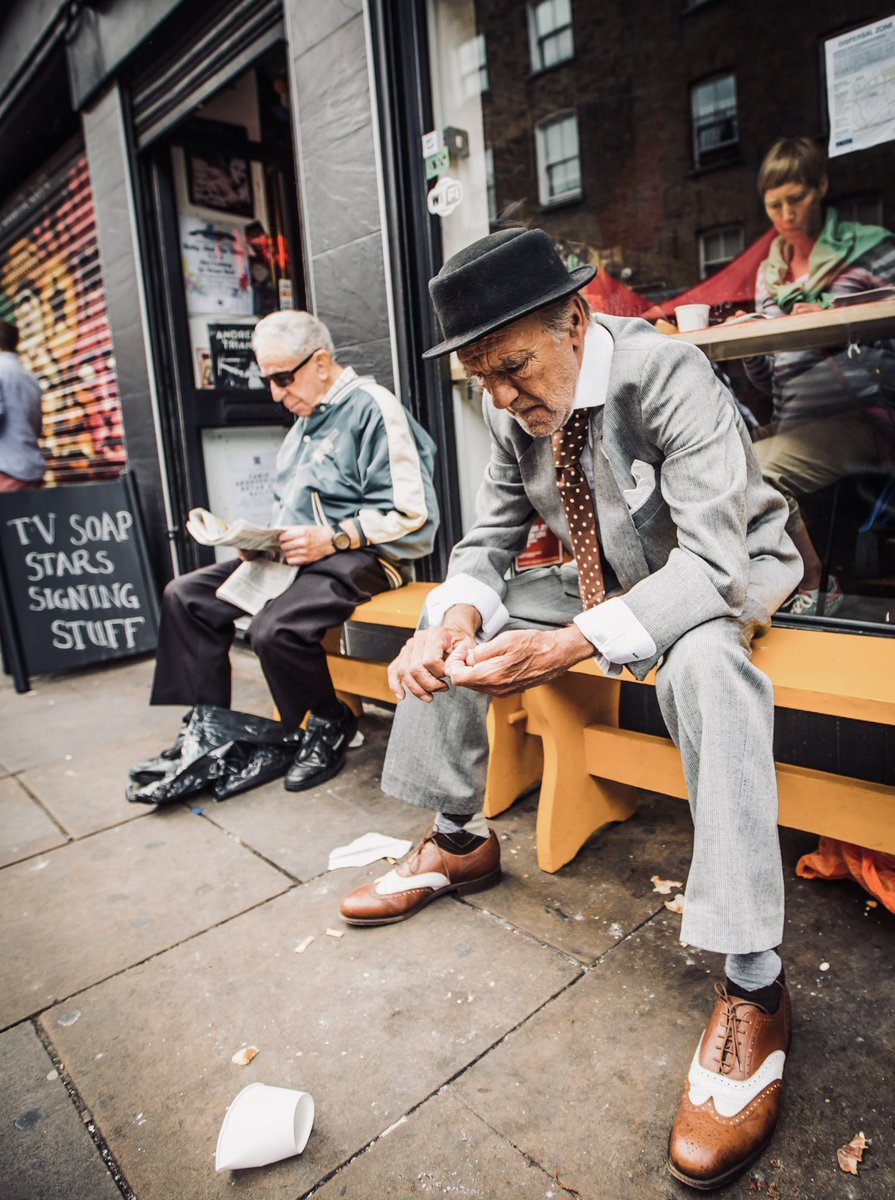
[[342, 539]]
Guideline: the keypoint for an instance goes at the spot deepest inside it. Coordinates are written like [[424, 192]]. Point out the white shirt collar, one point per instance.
[[593, 378]]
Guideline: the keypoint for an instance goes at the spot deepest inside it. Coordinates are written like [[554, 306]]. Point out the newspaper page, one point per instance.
[[210, 530], [255, 582], [860, 69]]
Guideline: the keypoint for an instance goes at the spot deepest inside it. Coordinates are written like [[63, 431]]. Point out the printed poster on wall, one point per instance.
[[861, 87], [215, 268], [233, 362]]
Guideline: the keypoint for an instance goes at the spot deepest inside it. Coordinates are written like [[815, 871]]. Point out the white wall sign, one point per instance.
[[861, 87], [445, 196]]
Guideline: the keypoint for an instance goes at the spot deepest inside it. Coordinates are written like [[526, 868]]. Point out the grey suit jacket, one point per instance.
[[710, 539]]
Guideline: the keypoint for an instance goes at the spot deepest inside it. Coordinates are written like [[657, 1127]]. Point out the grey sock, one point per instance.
[[753, 971], [457, 823]]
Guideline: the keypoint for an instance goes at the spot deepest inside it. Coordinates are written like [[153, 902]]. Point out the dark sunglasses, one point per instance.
[[283, 378]]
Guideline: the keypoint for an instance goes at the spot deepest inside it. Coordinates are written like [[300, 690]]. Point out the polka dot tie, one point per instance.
[[578, 504]]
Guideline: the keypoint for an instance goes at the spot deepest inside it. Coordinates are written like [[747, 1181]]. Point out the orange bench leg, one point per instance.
[[516, 760], [573, 803]]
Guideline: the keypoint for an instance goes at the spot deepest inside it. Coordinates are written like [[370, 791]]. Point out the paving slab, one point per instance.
[[442, 1149], [25, 828], [85, 790], [297, 830], [64, 717], [605, 891], [371, 1024], [590, 1085], [96, 906], [45, 1151]]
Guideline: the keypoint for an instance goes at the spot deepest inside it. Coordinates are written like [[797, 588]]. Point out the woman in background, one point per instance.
[[833, 410]]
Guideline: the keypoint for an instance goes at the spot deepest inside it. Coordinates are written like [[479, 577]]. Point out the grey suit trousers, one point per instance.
[[719, 709]]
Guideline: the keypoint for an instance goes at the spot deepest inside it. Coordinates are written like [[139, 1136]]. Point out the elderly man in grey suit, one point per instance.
[[625, 442]]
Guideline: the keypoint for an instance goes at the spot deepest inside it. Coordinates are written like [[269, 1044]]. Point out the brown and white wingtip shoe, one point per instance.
[[425, 874], [732, 1093]]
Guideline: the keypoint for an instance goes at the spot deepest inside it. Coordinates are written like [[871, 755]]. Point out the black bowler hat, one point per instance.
[[497, 280]]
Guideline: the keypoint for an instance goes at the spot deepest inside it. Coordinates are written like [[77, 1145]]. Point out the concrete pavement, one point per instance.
[[530, 1041]]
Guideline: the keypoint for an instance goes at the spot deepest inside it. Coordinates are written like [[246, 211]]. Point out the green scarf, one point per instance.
[[839, 244]]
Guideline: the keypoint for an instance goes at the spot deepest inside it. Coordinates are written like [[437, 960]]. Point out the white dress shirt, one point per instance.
[[613, 630]]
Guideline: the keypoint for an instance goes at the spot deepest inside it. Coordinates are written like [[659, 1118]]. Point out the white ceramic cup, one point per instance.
[[263, 1125], [691, 316]]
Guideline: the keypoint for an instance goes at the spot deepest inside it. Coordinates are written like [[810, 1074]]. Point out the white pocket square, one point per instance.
[[644, 475]]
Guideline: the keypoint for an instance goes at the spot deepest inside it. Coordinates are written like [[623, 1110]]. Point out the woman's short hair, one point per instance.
[[298, 333], [792, 160]]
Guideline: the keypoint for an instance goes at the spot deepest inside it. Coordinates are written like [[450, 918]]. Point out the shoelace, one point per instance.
[[735, 1027]]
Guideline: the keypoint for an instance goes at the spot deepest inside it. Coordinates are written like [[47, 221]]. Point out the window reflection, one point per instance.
[[638, 147], [715, 129]]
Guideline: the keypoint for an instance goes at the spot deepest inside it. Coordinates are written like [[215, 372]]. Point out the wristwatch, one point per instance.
[[341, 539]]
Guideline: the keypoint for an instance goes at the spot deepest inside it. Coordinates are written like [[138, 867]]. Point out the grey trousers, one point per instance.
[[719, 709]]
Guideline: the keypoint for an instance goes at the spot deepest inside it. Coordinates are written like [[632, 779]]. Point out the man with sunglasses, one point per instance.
[[627, 445], [354, 492]]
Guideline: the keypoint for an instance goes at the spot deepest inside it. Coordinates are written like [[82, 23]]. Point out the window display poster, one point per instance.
[[861, 87], [215, 268], [232, 358], [240, 470]]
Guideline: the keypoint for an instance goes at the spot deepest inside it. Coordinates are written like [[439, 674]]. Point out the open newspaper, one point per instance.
[[215, 531], [256, 580]]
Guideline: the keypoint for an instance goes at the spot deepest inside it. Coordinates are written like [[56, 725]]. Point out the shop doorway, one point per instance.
[[220, 193]]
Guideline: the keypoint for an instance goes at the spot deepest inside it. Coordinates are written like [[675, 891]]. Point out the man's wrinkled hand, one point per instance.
[[426, 659], [520, 659], [303, 544]]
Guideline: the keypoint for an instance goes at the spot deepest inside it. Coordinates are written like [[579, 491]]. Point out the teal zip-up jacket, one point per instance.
[[360, 456]]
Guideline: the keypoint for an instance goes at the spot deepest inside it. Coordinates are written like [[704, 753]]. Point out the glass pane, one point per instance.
[[619, 190]]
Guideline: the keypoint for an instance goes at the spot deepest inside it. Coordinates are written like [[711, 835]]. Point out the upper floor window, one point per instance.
[[713, 108], [472, 59], [550, 32], [718, 247], [559, 164]]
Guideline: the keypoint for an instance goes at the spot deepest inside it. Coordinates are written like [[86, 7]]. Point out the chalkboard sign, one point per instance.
[[75, 583]]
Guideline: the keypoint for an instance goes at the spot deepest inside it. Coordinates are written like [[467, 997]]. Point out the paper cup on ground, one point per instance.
[[263, 1125], [691, 316]]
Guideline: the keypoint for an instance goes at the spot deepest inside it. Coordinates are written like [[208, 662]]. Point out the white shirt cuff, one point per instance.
[[616, 635], [464, 589]]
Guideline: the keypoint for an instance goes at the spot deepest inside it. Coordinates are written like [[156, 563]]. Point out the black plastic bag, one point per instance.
[[236, 750], [247, 766]]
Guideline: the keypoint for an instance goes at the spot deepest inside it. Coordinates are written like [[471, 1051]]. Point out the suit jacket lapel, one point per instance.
[[619, 537]]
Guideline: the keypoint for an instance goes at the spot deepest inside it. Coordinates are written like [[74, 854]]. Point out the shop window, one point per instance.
[[472, 60], [550, 33], [559, 164], [866, 210], [718, 247], [713, 109]]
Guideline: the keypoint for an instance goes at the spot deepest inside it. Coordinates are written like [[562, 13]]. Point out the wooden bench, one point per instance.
[[566, 733]]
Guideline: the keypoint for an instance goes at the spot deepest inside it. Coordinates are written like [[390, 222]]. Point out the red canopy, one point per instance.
[[734, 284], [607, 295]]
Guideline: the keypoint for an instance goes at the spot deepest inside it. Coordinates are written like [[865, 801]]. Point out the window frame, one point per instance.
[[724, 151], [715, 231], [541, 127], [537, 41]]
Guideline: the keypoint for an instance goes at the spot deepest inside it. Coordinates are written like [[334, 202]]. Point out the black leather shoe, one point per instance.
[[322, 753], [154, 768]]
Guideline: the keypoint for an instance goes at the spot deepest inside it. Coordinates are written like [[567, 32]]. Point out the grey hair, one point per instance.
[[556, 316], [298, 333]]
